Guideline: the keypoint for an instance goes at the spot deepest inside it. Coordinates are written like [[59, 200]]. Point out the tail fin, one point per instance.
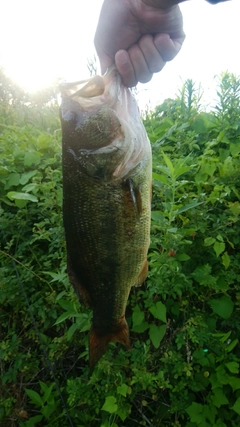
[[98, 343]]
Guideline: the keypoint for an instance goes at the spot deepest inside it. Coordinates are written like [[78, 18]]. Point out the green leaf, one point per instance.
[[21, 203], [12, 195], [209, 241], [105, 424], [172, 230], [44, 386], [225, 260], [34, 396], [223, 306], [123, 413], [160, 178], [219, 397], [231, 346], [181, 170], [122, 389], [169, 164], [224, 337], [67, 305], [208, 168], [187, 207], [110, 405], [48, 409], [32, 158], [234, 208], [26, 176], [219, 247], [165, 171], [234, 383], [84, 324], [158, 310], [222, 376], [29, 187], [201, 124], [156, 334], [47, 391], [215, 381], [195, 412], [59, 296], [32, 422], [202, 275], [183, 257], [137, 316], [157, 216], [236, 406], [210, 412], [233, 367], [13, 180], [64, 316], [71, 331], [140, 328], [234, 148]]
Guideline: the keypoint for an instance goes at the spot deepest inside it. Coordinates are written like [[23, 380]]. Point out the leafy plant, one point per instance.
[[183, 366]]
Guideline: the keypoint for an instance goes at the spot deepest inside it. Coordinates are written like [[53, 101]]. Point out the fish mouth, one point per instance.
[[102, 117], [90, 88]]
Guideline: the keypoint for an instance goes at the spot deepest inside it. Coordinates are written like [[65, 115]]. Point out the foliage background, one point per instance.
[[183, 367]]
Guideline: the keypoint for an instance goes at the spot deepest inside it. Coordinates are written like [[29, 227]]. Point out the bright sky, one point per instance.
[[42, 40]]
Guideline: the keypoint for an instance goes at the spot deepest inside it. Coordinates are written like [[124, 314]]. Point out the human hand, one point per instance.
[[140, 36]]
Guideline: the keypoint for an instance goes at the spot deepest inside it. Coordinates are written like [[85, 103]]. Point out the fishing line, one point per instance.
[[49, 365]]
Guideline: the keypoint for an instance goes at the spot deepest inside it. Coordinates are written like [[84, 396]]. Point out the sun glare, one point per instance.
[[33, 77], [43, 41], [46, 41]]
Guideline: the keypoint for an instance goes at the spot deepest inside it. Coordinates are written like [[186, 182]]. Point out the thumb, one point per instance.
[[105, 60]]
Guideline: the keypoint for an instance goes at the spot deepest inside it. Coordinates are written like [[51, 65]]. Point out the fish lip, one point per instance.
[[115, 95], [96, 86]]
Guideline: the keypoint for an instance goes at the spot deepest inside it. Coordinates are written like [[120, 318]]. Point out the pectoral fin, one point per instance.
[[136, 197]]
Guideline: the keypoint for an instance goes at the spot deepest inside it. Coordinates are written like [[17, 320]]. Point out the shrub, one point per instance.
[[183, 367]]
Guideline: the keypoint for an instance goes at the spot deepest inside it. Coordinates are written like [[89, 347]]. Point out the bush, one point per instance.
[[183, 367]]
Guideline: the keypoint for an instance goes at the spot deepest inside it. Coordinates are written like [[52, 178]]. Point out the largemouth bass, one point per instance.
[[106, 201]]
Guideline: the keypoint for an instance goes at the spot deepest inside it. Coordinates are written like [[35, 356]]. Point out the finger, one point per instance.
[[125, 68], [166, 4], [142, 72], [140, 62], [152, 56], [168, 48]]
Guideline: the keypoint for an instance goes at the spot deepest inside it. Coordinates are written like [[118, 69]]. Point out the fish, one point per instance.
[[107, 184]]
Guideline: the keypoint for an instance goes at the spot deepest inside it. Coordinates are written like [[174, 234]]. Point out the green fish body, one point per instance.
[[106, 201]]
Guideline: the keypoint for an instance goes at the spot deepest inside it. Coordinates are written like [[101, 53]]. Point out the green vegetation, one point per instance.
[[183, 367]]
